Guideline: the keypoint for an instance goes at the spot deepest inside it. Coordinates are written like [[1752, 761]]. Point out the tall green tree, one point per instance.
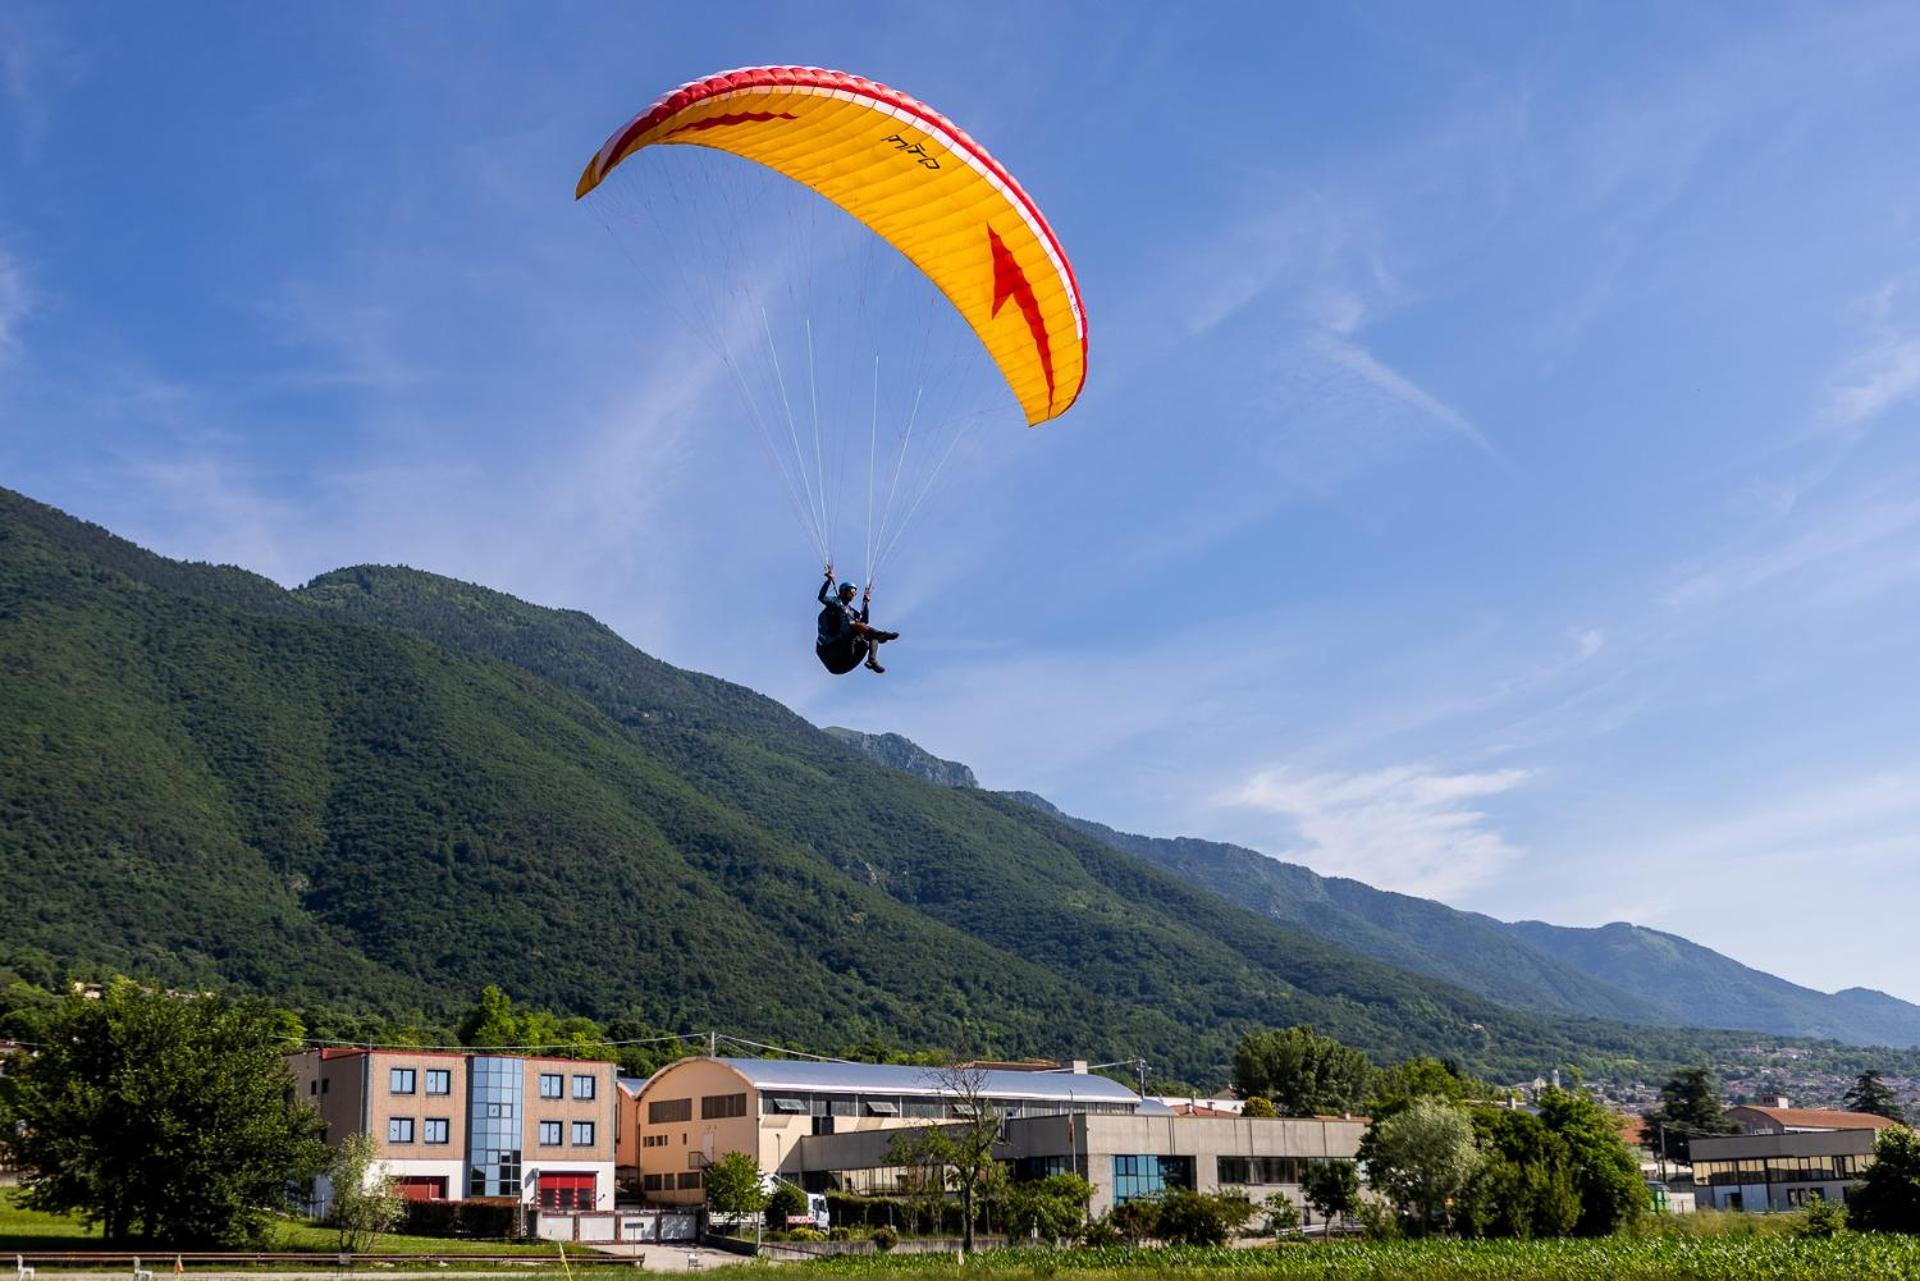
[[1887, 1198], [964, 1150], [365, 1202], [735, 1186], [1561, 1171], [1332, 1188], [1690, 1105], [1301, 1072], [1421, 1077], [1604, 1172], [1871, 1093], [1422, 1159], [160, 1117], [492, 1021], [1524, 1186]]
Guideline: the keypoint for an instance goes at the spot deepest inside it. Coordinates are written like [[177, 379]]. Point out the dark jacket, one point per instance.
[[836, 620]]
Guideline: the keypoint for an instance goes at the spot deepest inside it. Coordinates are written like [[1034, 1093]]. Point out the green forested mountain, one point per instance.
[[1617, 971], [387, 788]]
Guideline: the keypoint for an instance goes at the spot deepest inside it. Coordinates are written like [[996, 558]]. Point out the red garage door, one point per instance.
[[421, 1187], [566, 1190]]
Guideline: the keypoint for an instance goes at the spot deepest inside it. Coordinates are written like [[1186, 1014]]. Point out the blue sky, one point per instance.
[[1497, 478]]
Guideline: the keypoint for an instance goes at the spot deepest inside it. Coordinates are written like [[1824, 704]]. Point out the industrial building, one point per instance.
[[1787, 1158], [829, 1126]]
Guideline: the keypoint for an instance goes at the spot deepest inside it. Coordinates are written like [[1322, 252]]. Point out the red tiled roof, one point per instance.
[[1819, 1118]]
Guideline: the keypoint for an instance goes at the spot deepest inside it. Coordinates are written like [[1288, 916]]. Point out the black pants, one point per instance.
[[843, 655]]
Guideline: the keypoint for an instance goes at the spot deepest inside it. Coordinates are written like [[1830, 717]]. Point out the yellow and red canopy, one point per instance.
[[918, 182]]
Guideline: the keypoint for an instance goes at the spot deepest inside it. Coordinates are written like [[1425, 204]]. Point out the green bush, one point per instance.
[[1823, 1219], [784, 1200], [885, 1239], [1195, 1218]]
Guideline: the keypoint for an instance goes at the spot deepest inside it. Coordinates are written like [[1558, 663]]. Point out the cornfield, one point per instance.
[[1851, 1256]]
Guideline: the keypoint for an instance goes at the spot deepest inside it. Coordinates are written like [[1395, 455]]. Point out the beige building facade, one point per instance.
[[696, 1110], [828, 1126], [449, 1126]]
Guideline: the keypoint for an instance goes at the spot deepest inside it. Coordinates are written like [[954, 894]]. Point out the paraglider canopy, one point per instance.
[[913, 178]]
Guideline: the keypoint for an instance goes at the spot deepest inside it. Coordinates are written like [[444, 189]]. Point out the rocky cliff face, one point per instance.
[[898, 752]]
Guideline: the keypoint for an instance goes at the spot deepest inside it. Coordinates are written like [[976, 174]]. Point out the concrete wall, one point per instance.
[[1096, 1140]]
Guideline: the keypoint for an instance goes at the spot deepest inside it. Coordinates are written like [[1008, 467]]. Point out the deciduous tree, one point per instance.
[[365, 1203], [1301, 1072], [164, 1117], [1887, 1198], [735, 1186], [1422, 1158], [1331, 1187]]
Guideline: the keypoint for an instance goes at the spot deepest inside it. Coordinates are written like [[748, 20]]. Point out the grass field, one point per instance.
[[22, 1229], [1863, 1256]]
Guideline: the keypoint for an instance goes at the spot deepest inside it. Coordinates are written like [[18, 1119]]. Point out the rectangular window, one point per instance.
[[400, 1129], [583, 1134], [691, 1179], [717, 1107], [435, 1130], [552, 1085], [1235, 1169], [400, 1080], [583, 1087], [313, 1087], [324, 1083], [1148, 1174], [439, 1081], [549, 1134], [883, 1107], [668, 1111], [650, 1182]]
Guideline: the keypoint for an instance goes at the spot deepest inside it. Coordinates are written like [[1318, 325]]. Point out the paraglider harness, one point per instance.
[[843, 642]]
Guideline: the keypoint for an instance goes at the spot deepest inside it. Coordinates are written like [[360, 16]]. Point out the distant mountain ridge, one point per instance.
[[1616, 971]]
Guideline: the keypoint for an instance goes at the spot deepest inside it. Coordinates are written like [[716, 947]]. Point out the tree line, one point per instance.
[[170, 1117]]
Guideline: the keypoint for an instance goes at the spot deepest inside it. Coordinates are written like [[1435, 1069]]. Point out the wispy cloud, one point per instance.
[[1835, 540], [15, 302], [1384, 378], [1873, 382], [1409, 827]]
